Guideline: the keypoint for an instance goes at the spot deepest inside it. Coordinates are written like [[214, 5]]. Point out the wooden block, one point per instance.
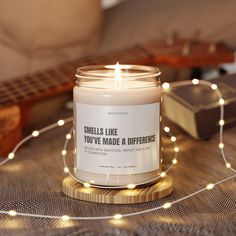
[[10, 128], [76, 190]]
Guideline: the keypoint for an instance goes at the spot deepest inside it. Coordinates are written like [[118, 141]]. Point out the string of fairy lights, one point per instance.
[[118, 216]]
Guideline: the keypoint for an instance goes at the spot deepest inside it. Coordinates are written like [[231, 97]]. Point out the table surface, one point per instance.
[[32, 183]]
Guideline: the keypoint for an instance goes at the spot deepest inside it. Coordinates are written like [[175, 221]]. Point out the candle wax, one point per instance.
[[128, 103]]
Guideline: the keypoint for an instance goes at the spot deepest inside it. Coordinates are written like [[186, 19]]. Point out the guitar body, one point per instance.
[[10, 128]]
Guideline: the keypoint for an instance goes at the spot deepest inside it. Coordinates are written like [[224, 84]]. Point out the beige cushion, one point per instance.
[[39, 34]]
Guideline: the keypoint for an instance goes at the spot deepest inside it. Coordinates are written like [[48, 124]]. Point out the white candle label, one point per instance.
[[117, 139]]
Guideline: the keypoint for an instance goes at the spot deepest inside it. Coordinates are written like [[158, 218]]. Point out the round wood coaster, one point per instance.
[[76, 190]]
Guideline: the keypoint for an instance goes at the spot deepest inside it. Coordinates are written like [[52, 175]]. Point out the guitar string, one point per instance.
[[131, 54], [127, 54], [28, 88]]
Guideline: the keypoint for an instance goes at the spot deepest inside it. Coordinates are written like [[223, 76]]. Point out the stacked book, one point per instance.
[[196, 109]]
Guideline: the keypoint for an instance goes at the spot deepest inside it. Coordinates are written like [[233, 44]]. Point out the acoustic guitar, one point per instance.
[[19, 94]]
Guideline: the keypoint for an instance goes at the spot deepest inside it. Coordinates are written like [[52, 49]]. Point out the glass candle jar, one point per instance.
[[117, 111]]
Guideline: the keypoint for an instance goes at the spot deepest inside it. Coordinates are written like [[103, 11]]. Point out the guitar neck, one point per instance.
[[179, 53], [60, 79]]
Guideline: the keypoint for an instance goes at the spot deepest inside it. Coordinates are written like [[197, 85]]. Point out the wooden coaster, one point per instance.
[[76, 190]]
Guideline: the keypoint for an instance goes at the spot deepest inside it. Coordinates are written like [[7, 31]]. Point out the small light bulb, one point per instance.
[[210, 186], [66, 169], [214, 86], [35, 133], [61, 122], [117, 216], [165, 85], [173, 138], [222, 101], [87, 185], [167, 129], [167, 205], [228, 165], [195, 81], [176, 149], [161, 160], [65, 218], [174, 161], [12, 213], [221, 122], [63, 152], [11, 155], [221, 145], [131, 186], [163, 174], [68, 136]]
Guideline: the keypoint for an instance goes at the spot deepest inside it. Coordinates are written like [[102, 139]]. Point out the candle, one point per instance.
[[117, 124]]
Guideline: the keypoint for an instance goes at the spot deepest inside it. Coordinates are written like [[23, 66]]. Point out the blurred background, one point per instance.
[[35, 35]]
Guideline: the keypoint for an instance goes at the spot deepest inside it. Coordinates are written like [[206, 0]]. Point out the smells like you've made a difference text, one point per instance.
[[109, 136]]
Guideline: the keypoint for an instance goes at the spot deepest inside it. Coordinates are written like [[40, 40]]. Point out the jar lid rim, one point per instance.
[[131, 71]]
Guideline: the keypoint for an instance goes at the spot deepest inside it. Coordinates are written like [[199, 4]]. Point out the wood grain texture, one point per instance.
[[10, 128], [76, 190]]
